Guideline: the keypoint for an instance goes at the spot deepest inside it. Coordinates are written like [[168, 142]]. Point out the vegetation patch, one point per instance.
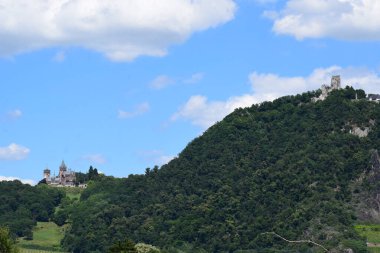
[[371, 232], [47, 236], [73, 192]]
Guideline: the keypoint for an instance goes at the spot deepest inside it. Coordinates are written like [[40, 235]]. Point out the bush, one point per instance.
[[146, 248]]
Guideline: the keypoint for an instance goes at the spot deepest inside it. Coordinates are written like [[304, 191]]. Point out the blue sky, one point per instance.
[[125, 85]]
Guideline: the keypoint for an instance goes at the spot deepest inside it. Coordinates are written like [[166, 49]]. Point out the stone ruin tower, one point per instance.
[[325, 89], [335, 83]]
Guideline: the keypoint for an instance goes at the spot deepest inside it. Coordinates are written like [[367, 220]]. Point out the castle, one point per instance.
[[65, 178], [335, 85]]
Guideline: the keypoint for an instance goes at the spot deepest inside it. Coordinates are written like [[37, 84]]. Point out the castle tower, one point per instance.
[[335, 82], [47, 173], [62, 173]]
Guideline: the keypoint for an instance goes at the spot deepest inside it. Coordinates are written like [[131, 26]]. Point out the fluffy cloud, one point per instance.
[[160, 82], [14, 152], [195, 78], [24, 181], [163, 81], [204, 113], [14, 114], [157, 157], [139, 110], [267, 87], [122, 30], [95, 158], [342, 19]]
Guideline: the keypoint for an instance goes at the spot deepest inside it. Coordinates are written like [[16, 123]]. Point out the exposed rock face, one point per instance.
[[368, 200], [360, 132]]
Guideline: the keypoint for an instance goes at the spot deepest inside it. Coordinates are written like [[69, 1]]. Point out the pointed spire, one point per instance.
[[63, 166]]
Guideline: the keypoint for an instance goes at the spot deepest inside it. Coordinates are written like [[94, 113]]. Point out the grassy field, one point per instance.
[[372, 233], [35, 251], [374, 250], [73, 192], [46, 238]]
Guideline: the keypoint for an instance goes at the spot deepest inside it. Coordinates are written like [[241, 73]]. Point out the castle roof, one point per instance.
[[63, 166], [373, 96]]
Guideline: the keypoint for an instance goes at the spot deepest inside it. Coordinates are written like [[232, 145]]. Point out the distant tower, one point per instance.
[[47, 173], [62, 173], [335, 82]]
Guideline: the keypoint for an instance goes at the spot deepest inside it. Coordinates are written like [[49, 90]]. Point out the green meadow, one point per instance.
[[372, 233], [46, 238]]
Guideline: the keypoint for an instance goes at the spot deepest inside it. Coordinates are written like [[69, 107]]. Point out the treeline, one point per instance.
[[22, 205], [82, 178], [284, 166]]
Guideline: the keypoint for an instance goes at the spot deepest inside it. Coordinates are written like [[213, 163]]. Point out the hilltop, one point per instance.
[[291, 166]]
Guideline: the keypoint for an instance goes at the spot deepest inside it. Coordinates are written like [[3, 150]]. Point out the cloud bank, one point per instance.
[[341, 19], [268, 86], [121, 30], [24, 181], [14, 152]]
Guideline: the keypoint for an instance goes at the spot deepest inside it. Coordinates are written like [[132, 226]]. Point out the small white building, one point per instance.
[[373, 97]]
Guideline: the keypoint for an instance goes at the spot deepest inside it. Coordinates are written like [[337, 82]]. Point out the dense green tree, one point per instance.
[[60, 217], [21, 205], [7, 245], [126, 246], [146, 248]]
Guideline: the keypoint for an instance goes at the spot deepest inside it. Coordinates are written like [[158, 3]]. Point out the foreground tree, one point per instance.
[[146, 248], [7, 245], [126, 246]]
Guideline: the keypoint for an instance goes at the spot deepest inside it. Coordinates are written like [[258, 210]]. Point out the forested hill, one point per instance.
[[290, 166], [22, 205]]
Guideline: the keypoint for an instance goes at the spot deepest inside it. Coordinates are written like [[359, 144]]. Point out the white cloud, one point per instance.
[[14, 152], [267, 87], [122, 30], [203, 113], [59, 56], [14, 114], [157, 157], [342, 19], [24, 181], [160, 82], [95, 158], [139, 110], [163, 81], [195, 78]]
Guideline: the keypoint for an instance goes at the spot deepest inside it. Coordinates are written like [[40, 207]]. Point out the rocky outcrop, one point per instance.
[[360, 132], [367, 200]]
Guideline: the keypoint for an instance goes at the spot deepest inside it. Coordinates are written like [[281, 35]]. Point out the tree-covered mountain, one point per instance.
[[291, 166]]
